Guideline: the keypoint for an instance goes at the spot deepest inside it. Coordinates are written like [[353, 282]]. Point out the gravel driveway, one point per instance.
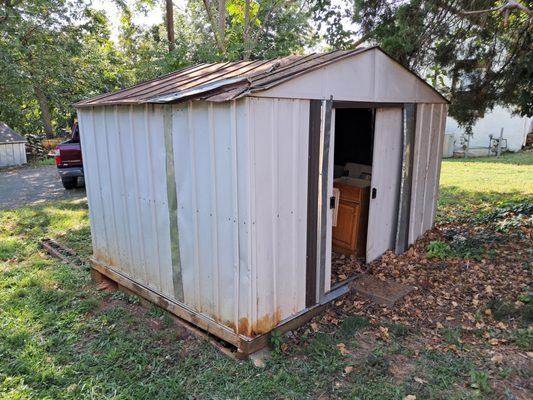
[[23, 186]]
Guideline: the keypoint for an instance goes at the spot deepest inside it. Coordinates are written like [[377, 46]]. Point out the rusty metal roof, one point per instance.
[[219, 81]]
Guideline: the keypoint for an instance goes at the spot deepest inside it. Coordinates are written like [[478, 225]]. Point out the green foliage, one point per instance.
[[524, 339], [480, 380], [350, 325], [452, 336], [54, 53], [276, 340], [439, 249]]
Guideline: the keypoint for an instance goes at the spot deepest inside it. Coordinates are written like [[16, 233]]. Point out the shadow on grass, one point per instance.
[[455, 202]]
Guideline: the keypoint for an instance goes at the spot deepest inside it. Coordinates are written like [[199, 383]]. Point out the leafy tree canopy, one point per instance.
[[56, 52]]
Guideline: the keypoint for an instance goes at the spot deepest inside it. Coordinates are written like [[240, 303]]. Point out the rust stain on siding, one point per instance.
[[263, 325]]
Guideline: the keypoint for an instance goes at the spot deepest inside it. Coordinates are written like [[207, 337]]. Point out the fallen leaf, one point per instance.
[[420, 380], [348, 369], [314, 326], [342, 348], [409, 397], [497, 359], [384, 333]]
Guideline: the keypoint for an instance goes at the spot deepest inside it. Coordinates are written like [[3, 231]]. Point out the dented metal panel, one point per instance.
[[241, 213]]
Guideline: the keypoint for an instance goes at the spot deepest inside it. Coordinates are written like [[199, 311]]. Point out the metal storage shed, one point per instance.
[[12, 147], [210, 188]]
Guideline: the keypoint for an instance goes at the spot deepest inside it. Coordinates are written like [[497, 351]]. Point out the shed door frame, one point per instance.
[[321, 129]]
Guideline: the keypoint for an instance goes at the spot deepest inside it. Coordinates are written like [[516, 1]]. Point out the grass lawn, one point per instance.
[[61, 337], [480, 183]]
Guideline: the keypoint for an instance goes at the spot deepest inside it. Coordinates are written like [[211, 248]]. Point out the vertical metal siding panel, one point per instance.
[[195, 227], [159, 202], [23, 150], [279, 135], [115, 202], [442, 129], [22, 153], [184, 172], [235, 214], [301, 207], [431, 171], [245, 205], [2, 157], [10, 154], [274, 157], [142, 191], [425, 169], [124, 188], [108, 190], [295, 174], [213, 211], [86, 126], [263, 190], [419, 170], [226, 220], [110, 248], [15, 153], [202, 159], [288, 172], [128, 157], [3, 161], [253, 217]]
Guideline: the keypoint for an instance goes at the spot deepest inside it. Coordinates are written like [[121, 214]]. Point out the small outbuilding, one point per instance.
[[222, 191], [12, 147]]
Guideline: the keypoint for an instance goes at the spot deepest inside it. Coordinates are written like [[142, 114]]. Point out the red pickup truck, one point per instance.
[[69, 160]]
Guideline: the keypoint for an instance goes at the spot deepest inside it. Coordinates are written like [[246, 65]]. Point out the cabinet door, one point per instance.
[[344, 234]]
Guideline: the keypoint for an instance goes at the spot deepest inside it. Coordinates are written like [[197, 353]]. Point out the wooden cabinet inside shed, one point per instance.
[[349, 235]]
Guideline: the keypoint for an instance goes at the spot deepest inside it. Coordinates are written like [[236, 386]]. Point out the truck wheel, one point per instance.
[[69, 183]]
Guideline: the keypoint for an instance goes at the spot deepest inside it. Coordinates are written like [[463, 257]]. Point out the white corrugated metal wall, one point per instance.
[[125, 177], [12, 154], [238, 167], [241, 166], [429, 137]]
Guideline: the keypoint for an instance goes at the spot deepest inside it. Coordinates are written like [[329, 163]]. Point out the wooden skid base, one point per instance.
[[202, 325]]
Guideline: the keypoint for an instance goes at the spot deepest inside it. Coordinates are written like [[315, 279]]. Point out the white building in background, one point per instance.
[[515, 130]]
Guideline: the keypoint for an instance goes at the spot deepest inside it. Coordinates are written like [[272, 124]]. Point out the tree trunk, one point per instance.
[[45, 111], [222, 22], [169, 20], [213, 23], [246, 32]]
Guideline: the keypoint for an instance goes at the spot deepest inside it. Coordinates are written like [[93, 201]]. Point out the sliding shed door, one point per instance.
[[386, 175]]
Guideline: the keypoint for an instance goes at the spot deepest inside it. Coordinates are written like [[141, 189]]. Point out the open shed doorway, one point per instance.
[[352, 173]]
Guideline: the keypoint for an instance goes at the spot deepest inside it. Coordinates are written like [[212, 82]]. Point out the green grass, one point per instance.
[[476, 185], [62, 338]]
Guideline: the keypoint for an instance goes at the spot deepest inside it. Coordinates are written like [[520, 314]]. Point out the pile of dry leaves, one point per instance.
[[461, 290]]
